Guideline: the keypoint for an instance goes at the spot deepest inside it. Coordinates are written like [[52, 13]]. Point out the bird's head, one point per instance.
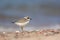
[[28, 18]]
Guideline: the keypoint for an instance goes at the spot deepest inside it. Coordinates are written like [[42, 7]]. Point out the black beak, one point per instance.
[[30, 18]]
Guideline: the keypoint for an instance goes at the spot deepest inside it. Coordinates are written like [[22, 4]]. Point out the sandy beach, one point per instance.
[[49, 34]]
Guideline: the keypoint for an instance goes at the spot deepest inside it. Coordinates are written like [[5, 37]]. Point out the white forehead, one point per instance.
[[26, 17]]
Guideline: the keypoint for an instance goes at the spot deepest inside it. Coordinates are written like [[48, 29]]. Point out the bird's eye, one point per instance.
[[28, 18]]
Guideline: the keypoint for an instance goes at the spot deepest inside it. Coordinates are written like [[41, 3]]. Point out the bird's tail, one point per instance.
[[13, 21]]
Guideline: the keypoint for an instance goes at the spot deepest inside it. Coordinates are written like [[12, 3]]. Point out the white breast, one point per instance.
[[22, 24]]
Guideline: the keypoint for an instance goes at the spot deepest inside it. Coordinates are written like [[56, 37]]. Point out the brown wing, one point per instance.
[[22, 20]]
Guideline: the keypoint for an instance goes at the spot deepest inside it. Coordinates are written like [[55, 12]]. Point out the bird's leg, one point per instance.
[[22, 30]]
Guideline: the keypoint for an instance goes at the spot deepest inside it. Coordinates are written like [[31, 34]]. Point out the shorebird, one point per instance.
[[22, 22]]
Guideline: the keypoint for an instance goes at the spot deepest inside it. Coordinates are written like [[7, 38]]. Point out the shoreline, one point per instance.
[[47, 34]]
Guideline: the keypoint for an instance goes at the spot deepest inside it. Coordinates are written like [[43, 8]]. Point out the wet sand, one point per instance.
[[48, 34]]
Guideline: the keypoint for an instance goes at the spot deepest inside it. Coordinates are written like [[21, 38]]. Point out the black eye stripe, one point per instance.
[[28, 18]]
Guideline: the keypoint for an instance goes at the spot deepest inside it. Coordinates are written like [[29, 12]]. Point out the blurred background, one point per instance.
[[45, 14]]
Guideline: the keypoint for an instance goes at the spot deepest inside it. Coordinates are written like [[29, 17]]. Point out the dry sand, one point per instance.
[[48, 34]]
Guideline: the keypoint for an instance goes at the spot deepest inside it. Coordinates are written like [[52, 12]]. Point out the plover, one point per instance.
[[22, 22]]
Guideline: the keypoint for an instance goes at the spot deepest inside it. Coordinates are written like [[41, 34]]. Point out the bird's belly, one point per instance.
[[22, 24]]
